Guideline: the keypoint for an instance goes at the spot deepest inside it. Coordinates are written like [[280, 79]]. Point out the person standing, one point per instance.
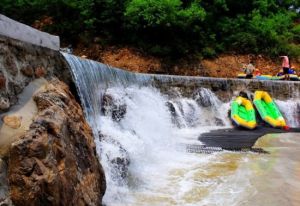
[[285, 67], [249, 69]]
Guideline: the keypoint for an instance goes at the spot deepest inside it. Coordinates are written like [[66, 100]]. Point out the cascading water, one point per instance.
[[141, 131], [291, 110]]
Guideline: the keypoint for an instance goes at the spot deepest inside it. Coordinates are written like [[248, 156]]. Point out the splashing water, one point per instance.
[[291, 111], [139, 131]]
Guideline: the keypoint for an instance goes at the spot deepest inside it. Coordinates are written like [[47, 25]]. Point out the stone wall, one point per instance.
[[21, 63], [226, 88]]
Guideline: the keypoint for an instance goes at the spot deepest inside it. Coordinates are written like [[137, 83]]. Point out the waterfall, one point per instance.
[[138, 126], [92, 78]]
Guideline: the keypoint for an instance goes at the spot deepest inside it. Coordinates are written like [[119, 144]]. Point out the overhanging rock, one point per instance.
[[22, 32]]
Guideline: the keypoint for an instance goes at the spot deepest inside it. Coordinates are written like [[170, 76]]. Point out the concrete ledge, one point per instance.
[[22, 32]]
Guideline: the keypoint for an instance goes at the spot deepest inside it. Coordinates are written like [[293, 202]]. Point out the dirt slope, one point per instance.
[[224, 66]]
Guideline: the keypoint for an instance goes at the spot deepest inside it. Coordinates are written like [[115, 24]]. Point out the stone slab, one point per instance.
[[16, 30]]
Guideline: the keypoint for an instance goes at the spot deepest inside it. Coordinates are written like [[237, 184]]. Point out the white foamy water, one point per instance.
[[291, 111], [151, 139], [142, 132]]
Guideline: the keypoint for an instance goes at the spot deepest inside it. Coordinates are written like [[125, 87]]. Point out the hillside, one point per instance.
[[193, 37], [226, 65]]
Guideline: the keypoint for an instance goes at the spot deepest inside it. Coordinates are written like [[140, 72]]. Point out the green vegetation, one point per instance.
[[170, 27]]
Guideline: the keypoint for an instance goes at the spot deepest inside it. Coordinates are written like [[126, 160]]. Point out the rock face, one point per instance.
[[55, 162]]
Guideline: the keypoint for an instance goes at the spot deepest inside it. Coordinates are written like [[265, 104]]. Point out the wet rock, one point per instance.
[[18, 88], [4, 195], [203, 100], [28, 71], [4, 104], [2, 81], [174, 115], [119, 112], [219, 122], [246, 94], [107, 102], [216, 86], [120, 160], [171, 108], [13, 122], [55, 162], [113, 107], [10, 64], [121, 166], [40, 72]]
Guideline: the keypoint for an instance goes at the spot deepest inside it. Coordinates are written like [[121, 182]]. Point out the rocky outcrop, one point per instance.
[[47, 150], [204, 97], [119, 161], [175, 116], [55, 162], [113, 107]]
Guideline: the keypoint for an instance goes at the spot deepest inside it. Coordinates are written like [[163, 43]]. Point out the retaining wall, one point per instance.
[[16, 30]]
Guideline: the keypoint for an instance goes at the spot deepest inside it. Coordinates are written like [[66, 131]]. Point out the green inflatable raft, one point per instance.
[[268, 110], [242, 113]]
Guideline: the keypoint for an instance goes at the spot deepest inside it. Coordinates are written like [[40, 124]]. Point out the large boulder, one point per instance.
[[55, 162], [113, 107], [175, 116], [204, 97], [119, 159]]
